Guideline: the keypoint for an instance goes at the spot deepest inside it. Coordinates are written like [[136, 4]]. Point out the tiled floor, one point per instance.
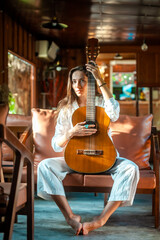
[[128, 223]]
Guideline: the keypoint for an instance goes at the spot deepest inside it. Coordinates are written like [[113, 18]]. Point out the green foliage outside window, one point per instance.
[[12, 104]]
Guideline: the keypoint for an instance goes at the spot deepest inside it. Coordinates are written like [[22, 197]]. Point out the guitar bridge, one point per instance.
[[89, 152]]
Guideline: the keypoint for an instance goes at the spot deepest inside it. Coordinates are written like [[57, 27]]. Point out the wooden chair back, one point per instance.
[[16, 197]]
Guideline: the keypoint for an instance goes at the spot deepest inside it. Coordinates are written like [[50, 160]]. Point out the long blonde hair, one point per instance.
[[71, 96]]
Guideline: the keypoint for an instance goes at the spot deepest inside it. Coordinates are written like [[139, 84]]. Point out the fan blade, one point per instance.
[[64, 25], [58, 68], [54, 24]]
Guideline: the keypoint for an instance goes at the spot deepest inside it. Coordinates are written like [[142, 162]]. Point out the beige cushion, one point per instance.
[[131, 138], [43, 125]]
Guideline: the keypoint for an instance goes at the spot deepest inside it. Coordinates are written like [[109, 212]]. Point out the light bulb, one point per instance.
[[144, 47], [59, 68]]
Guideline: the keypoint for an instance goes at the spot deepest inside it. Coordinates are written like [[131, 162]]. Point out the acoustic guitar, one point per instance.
[[96, 153]]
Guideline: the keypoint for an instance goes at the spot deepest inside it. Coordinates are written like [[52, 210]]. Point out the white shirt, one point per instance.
[[64, 120]]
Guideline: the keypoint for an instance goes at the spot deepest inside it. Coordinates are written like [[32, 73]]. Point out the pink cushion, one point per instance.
[[43, 124], [74, 179], [147, 179], [98, 181], [131, 138], [14, 120], [18, 120], [22, 192]]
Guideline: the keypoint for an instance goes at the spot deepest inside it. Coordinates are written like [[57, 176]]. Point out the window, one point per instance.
[[20, 73], [124, 86], [123, 78]]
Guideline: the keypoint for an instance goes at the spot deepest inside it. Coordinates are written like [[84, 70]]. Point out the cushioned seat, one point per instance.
[[147, 180], [74, 179], [18, 120], [22, 196]]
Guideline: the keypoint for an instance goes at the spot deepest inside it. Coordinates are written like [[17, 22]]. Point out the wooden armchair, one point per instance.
[[20, 195]]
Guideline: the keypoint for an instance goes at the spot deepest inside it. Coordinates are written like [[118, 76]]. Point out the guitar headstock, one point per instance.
[[92, 49]]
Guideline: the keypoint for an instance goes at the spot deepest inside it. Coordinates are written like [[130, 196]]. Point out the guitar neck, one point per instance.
[[90, 108]]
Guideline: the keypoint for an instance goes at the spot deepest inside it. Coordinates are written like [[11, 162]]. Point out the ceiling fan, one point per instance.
[[58, 67], [118, 56], [54, 23]]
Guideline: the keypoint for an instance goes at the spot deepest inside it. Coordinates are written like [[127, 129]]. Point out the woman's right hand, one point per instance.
[[83, 129]]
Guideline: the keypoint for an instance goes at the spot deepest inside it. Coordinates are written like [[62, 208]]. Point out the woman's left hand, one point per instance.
[[93, 68]]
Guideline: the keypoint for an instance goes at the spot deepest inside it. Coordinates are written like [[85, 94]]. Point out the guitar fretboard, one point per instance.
[[90, 108]]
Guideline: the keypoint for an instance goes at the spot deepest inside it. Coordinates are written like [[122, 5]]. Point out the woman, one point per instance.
[[52, 171]]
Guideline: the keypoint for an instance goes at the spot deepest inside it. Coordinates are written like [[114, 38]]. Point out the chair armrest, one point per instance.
[[25, 135], [11, 140], [155, 151]]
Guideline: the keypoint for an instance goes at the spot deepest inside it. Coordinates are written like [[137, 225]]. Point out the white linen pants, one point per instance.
[[52, 171]]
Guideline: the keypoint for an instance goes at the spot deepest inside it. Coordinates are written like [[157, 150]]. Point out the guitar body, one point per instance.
[[91, 154]]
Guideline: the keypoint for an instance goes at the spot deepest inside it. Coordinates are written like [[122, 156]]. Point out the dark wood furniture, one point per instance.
[[20, 195]]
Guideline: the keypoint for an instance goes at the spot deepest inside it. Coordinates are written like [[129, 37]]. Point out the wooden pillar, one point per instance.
[[137, 101], [150, 100], [1, 48]]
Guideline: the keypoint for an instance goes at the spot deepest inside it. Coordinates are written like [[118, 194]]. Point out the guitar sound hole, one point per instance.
[[92, 123], [89, 152]]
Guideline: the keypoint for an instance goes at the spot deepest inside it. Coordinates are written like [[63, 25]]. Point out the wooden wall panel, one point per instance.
[[69, 58], [148, 70], [30, 47], [33, 49], [15, 37], [5, 46], [1, 48], [10, 33], [25, 43], [73, 57], [124, 68], [158, 69], [20, 40]]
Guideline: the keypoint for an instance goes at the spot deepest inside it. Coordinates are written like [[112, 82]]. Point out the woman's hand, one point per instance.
[[82, 129], [93, 68]]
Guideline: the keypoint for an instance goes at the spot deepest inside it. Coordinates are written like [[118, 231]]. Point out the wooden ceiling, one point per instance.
[[111, 21]]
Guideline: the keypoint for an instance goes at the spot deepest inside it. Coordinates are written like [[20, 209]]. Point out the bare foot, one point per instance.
[[75, 223], [89, 226]]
